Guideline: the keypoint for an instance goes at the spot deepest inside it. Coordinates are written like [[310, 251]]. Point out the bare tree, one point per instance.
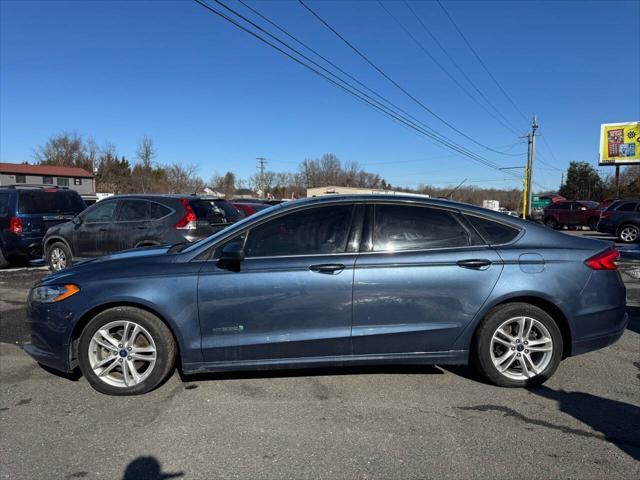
[[64, 150]]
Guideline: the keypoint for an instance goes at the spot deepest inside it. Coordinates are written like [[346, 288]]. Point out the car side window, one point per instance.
[[4, 205], [494, 233], [102, 212], [627, 207], [312, 231], [563, 206], [157, 211], [401, 227], [133, 210]]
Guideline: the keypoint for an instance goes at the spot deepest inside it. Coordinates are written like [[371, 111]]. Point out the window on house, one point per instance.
[[77, 181], [47, 180], [63, 182], [21, 179]]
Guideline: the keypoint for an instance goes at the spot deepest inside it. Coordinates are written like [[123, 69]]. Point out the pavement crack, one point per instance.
[[509, 412]]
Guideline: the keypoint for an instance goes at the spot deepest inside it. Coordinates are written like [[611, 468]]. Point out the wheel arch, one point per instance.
[[90, 314], [54, 239], [147, 243], [542, 303]]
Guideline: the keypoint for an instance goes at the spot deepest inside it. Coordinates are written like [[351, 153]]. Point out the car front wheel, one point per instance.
[[518, 345], [551, 223], [629, 234], [126, 351], [59, 257]]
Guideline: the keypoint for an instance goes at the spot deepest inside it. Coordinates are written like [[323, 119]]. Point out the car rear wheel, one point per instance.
[[629, 233], [126, 351], [59, 257], [551, 223], [593, 224], [517, 345]]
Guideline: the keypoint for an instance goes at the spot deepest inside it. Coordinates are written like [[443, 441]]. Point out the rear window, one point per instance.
[[493, 233], [591, 205], [42, 201], [214, 210]]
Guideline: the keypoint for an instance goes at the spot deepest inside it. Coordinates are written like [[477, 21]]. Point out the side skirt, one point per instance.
[[452, 357]]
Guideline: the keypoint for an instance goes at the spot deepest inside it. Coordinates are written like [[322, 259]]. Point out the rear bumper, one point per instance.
[[614, 325], [22, 246]]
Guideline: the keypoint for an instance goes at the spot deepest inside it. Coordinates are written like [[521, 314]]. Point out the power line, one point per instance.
[[458, 67], [481, 62], [434, 60], [396, 84], [359, 95]]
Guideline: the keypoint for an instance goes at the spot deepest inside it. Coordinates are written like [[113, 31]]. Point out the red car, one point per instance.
[[572, 213], [248, 208]]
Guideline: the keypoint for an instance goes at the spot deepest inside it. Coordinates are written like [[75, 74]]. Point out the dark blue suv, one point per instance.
[[25, 215]]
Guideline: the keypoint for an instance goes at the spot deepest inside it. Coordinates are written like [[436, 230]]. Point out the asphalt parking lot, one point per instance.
[[391, 422]]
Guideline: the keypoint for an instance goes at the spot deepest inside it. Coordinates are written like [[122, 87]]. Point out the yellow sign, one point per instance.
[[620, 143]]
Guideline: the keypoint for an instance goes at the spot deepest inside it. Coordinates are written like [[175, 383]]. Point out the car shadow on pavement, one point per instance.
[[147, 468], [634, 319], [315, 372], [617, 422], [72, 376]]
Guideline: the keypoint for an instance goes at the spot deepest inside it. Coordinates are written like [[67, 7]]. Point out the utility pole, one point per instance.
[[531, 150], [261, 163]]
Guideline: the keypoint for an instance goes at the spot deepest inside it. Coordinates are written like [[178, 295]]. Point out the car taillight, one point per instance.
[[188, 222], [604, 261], [15, 225]]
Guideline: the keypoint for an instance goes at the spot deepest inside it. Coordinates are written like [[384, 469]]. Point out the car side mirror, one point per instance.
[[231, 257], [77, 220]]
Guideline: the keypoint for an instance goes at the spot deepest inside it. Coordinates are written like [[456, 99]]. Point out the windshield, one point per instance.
[[54, 201]]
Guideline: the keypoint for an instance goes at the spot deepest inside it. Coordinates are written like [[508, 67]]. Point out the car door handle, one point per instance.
[[474, 263], [327, 268]]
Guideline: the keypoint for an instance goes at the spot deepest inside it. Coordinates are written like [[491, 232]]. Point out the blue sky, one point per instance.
[[210, 95]]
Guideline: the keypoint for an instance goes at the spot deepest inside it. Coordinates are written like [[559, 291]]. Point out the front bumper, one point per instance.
[[606, 226], [51, 329]]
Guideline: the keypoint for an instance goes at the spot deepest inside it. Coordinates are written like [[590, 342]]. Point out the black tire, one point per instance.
[[55, 251], [593, 224], [629, 233], [551, 223], [481, 353], [165, 350], [3, 261]]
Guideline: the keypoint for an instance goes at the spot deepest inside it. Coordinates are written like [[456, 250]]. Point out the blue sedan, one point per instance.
[[336, 280]]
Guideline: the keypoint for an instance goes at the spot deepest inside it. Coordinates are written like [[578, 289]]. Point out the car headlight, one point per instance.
[[53, 293]]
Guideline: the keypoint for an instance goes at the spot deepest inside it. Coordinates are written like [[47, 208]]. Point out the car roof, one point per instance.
[[159, 196]]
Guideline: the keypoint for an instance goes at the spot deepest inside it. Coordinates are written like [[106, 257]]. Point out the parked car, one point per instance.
[[249, 209], [622, 219], [133, 221], [26, 213], [572, 213], [606, 203], [334, 281]]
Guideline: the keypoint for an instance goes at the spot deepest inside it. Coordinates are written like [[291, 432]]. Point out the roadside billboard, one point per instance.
[[620, 143]]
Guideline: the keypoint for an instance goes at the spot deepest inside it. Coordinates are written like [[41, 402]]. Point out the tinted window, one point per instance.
[[493, 233], [627, 207], [591, 205], [561, 206], [157, 211], [132, 210], [319, 230], [230, 211], [4, 204], [55, 201], [400, 227], [208, 210], [101, 212]]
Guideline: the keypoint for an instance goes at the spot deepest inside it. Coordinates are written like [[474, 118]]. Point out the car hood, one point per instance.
[[128, 258]]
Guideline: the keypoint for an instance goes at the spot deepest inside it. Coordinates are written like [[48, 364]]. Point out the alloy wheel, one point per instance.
[[122, 353], [629, 234], [521, 348], [58, 259]]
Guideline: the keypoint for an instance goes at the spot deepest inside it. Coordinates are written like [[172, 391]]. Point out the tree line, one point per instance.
[[144, 174]]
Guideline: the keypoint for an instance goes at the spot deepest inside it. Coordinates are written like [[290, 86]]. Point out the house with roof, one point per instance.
[[74, 178]]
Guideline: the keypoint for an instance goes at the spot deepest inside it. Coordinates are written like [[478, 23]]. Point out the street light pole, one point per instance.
[[531, 142]]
